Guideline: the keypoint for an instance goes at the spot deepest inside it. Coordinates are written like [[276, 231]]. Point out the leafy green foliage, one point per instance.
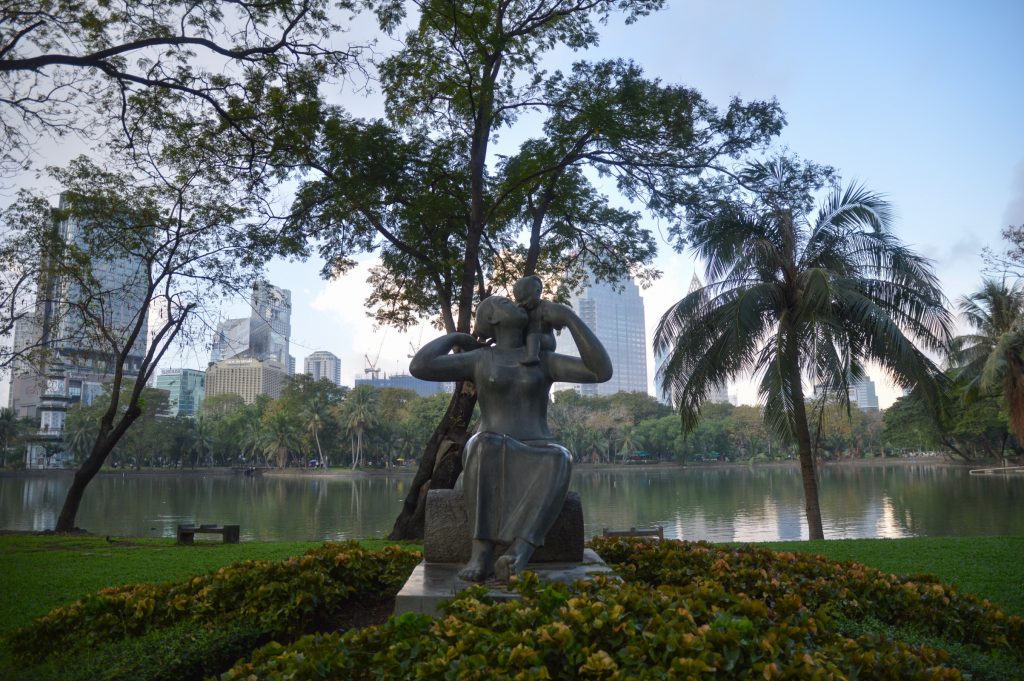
[[71, 66], [990, 358], [304, 593], [790, 295], [783, 579], [683, 611], [972, 424], [180, 652]]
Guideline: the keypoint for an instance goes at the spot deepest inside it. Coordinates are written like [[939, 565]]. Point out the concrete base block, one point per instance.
[[447, 536], [432, 583]]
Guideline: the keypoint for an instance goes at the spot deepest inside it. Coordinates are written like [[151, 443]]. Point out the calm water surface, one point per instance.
[[717, 504]]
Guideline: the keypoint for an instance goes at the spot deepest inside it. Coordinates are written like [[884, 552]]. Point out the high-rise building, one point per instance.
[[186, 389], [263, 335], [617, 319], [270, 324], [245, 377], [116, 297], [251, 353], [862, 393], [231, 340], [323, 364]]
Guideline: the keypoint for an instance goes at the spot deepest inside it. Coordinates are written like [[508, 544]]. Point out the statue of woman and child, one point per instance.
[[515, 477]]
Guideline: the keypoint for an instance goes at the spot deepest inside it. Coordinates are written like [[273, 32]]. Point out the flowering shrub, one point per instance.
[[789, 580], [681, 610], [288, 597], [600, 629]]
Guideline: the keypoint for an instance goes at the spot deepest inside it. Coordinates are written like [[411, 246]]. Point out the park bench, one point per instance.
[[658, 532], [186, 533]]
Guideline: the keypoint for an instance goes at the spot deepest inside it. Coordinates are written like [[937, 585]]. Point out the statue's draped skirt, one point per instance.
[[513, 489]]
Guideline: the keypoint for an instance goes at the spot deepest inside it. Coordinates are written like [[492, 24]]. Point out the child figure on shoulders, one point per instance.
[[540, 334]]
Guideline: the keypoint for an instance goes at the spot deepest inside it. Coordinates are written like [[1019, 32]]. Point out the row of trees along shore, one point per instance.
[[202, 113], [320, 423]]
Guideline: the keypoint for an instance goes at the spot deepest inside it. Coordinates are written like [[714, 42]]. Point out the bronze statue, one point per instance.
[[514, 476]]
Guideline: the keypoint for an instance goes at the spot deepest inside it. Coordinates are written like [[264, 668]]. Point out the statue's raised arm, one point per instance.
[[593, 365]]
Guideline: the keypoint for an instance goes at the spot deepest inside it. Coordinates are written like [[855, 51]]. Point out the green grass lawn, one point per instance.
[[990, 567], [38, 573]]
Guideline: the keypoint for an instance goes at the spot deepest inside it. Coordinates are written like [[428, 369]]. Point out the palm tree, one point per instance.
[[314, 414], [8, 429], [81, 428], [788, 297], [992, 357], [201, 439], [279, 436], [359, 413]]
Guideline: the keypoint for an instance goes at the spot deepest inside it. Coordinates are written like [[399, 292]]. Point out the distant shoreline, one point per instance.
[[409, 471]]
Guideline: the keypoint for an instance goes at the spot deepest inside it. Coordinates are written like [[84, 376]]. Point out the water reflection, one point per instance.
[[717, 504]]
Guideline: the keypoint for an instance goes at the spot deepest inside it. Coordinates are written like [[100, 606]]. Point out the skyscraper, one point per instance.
[[249, 356], [270, 324], [322, 364], [862, 393], [617, 318], [245, 377], [263, 335], [114, 300]]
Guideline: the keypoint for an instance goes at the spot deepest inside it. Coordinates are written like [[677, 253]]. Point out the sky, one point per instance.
[[921, 101]]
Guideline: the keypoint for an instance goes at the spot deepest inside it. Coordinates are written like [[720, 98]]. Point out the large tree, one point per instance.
[[791, 297], [172, 236], [453, 221], [79, 67]]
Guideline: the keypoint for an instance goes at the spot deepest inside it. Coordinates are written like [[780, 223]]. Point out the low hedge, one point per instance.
[[795, 579], [182, 652], [599, 629], [682, 610], [283, 598]]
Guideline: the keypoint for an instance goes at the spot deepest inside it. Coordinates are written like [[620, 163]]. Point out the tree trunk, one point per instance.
[[440, 463], [807, 472], [83, 476]]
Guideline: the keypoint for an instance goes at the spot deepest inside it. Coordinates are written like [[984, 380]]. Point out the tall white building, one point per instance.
[[323, 364], [617, 318]]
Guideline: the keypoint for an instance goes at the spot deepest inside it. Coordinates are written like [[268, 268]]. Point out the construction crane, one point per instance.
[[371, 367]]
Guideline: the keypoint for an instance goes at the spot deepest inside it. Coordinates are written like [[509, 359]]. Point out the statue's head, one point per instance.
[[528, 290], [496, 310]]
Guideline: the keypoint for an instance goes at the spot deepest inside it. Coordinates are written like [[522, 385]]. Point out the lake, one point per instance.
[[739, 503]]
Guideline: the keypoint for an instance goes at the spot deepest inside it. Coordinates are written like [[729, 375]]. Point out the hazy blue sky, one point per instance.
[[920, 100]]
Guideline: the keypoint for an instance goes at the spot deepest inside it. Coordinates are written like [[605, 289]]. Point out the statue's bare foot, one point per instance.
[[505, 569], [514, 561], [480, 567]]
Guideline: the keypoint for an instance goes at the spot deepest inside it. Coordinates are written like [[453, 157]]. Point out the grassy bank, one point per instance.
[[38, 573], [199, 627], [990, 567]]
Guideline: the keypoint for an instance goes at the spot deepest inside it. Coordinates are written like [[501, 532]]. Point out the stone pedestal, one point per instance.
[[431, 583], [447, 543], [447, 534]]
